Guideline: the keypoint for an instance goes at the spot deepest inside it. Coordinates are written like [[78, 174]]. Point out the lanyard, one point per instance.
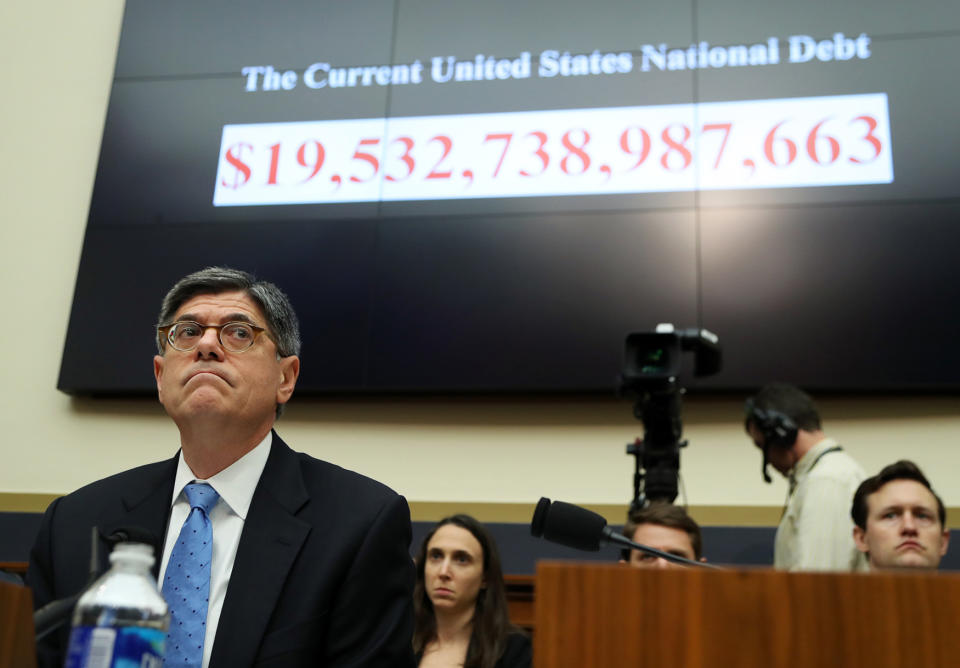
[[823, 454], [793, 480]]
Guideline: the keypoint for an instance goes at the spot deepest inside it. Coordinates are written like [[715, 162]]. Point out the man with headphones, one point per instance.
[[815, 531]]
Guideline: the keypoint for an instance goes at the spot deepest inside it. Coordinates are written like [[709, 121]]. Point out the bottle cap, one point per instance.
[[133, 553]]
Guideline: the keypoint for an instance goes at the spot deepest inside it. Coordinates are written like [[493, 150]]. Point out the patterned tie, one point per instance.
[[186, 584]]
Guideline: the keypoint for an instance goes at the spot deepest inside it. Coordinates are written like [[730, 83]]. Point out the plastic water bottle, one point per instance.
[[121, 621]]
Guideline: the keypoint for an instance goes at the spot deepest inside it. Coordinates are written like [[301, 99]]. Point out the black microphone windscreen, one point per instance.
[[540, 516], [51, 616], [574, 526], [133, 534]]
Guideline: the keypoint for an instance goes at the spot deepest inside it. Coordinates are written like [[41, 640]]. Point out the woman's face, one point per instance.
[[453, 569]]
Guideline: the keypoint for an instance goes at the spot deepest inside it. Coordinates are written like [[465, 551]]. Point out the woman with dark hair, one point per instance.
[[460, 601]]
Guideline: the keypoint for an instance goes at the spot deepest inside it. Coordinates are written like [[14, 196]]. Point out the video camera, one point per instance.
[[652, 362]]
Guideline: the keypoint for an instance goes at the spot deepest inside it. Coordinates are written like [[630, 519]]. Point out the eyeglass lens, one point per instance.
[[234, 336]]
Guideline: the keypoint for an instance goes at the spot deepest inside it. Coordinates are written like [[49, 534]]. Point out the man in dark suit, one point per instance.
[[310, 562]]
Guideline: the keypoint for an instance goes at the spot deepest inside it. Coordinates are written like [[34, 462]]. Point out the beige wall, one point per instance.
[[58, 62]]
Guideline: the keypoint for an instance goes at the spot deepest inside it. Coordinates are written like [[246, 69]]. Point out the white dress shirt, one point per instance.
[[235, 485], [816, 531]]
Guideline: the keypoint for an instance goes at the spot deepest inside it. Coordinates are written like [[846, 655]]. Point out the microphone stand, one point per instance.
[[612, 536], [583, 529], [50, 617], [53, 615]]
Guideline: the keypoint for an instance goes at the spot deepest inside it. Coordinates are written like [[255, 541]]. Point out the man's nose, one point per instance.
[[661, 563], [909, 523], [209, 345]]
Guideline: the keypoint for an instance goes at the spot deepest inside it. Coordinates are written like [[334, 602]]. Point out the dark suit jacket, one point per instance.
[[518, 652], [322, 576]]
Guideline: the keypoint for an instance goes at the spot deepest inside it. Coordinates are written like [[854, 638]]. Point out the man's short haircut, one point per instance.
[[666, 515], [282, 323], [901, 470], [789, 400]]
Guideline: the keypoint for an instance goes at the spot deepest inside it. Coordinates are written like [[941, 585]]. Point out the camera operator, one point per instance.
[[815, 532]]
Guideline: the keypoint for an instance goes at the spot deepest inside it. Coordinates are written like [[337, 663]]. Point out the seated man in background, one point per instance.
[[900, 521], [667, 528]]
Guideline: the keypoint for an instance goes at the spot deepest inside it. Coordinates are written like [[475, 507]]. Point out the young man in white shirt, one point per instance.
[[900, 521]]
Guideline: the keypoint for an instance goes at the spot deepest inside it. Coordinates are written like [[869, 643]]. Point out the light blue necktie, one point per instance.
[[186, 583]]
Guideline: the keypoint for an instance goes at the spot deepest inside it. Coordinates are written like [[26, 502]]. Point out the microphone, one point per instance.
[[540, 517], [569, 525], [133, 535], [52, 616], [763, 469], [583, 529]]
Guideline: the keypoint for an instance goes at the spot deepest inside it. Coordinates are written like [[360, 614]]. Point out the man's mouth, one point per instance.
[[205, 372], [910, 545]]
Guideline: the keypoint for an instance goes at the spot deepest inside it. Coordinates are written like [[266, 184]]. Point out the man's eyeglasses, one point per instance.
[[185, 335]]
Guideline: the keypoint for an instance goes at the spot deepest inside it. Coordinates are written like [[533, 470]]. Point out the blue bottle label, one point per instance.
[[115, 647]]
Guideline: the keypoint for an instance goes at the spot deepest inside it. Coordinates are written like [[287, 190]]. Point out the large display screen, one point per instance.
[[478, 197]]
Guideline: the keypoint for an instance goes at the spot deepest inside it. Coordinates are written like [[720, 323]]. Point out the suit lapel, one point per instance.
[[146, 506], [271, 539]]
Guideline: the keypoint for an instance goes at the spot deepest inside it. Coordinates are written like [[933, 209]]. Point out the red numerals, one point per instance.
[[505, 137], [575, 150], [594, 155], [406, 158], [822, 148], [366, 157], [710, 127], [274, 164], [812, 140], [642, 151], [770, 144], [315, 162], [678, 147], [541, 154], [447, 145], [870, 138]]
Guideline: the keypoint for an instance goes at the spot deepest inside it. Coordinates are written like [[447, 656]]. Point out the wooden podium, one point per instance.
[[17, 648], [608, 616]]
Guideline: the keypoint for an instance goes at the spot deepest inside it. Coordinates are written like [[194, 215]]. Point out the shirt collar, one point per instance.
[[802, 467], [236, 483]]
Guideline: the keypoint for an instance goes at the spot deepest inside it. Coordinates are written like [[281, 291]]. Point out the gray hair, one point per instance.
[[282, 323]]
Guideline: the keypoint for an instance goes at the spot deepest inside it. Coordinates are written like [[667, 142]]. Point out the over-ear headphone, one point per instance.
[[777, 429]]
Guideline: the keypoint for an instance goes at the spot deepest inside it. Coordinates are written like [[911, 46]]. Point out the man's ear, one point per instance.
[[945, 543], [289, 372], [158, 374], [860, 539]]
